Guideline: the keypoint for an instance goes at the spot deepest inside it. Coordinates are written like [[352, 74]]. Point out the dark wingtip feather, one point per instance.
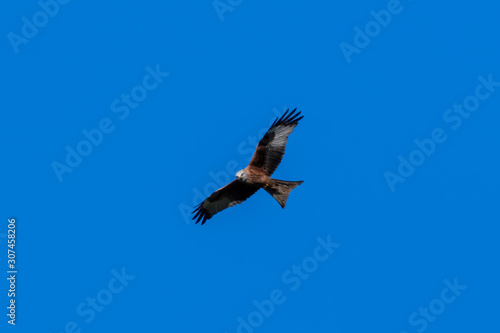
[[196, 208], [199, 217], [288, 118], [198, 213], [280, 119], [201, 214]]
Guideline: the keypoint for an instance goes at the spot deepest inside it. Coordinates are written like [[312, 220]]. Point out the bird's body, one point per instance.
[[257, 174]]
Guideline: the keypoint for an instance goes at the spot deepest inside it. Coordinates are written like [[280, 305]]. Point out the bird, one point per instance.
[[257, 174]]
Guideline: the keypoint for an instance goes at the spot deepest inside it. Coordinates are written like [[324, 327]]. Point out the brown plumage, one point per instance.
[[257, 174]]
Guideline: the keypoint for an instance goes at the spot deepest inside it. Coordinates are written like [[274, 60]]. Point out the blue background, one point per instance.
[[124, 205]]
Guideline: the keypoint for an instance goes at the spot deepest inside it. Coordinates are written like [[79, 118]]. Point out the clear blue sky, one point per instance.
[[118, 118]]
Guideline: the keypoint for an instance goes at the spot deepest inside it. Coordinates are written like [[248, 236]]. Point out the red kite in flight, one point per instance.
[[257, 174]]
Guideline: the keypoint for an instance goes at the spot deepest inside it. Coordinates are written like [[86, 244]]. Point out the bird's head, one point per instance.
[[241, 175]]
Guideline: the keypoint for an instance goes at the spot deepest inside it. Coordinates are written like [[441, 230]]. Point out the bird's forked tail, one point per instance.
[[280, 189]]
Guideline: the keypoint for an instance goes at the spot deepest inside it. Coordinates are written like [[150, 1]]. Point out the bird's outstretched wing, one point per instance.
[[271, 147], [230, 195]]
